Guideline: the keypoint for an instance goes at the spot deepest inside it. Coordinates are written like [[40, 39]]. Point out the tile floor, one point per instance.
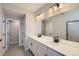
[[15, 50]]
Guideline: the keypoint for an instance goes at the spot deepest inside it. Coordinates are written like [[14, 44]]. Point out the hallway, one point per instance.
[[15, 50]]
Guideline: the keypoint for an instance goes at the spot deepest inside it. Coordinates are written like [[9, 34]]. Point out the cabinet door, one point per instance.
[[42, 50], [52, 52], [30, 43], [35, 47]]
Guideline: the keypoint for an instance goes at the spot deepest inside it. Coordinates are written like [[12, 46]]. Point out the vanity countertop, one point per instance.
[[65, 47]]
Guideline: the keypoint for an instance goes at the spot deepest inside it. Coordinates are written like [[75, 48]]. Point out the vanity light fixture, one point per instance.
[[51, 11], [61, 5], [55, 8], [58, 6], [40, 16]]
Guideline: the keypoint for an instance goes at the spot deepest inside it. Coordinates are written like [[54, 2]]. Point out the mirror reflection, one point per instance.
[[65, 25]]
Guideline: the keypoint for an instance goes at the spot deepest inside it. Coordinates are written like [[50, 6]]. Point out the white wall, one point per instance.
[[30, 23], [59, 22], [30, 26]]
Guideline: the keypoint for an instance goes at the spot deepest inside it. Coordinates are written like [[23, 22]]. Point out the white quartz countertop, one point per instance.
[[65, 47]]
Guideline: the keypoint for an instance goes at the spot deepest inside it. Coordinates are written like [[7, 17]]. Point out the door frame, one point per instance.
[[6, 20], [67, 27]]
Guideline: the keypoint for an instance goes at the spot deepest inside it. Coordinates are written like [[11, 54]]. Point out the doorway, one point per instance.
[[73, 30], [12, 32]]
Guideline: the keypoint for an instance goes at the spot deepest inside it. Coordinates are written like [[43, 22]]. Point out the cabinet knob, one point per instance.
[[45, 54], [1, 39], [31, 44]]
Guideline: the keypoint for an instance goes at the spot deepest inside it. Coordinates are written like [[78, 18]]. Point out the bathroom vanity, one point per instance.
[[44, 46]]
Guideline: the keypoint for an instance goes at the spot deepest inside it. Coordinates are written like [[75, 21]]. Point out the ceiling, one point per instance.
[[18, 9], [26, 6]]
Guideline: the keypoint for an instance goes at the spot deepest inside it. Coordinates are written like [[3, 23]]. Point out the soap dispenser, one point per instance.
[[56, 39]]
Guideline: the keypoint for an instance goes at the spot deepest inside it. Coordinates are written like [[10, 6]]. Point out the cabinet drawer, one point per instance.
[[52, 52], [33, 46]]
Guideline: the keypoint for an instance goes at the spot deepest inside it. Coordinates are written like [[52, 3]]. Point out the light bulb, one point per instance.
[[50, 10], [55, 8], [61, 5]]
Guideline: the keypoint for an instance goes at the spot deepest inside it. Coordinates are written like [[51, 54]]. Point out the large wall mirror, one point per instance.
[[65, 25]]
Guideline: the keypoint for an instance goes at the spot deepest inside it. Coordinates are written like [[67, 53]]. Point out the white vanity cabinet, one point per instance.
[[39, 49], [33, 46], [29, 43], [42, 50], [52, 52]]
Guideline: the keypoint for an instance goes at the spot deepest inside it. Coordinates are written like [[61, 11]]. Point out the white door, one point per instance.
[[73, 31]]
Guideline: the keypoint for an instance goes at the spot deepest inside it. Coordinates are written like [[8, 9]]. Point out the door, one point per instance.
[[14, 31], [73, 31]]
